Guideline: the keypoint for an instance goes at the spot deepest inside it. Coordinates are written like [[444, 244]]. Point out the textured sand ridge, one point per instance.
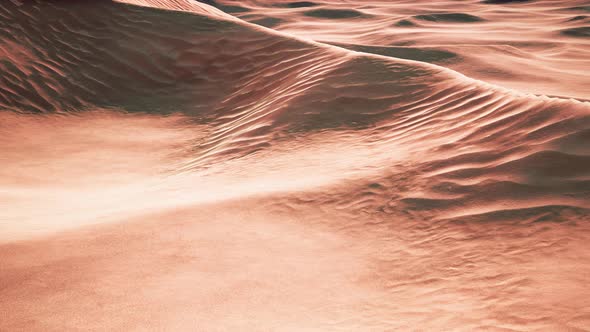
[[540, 47]]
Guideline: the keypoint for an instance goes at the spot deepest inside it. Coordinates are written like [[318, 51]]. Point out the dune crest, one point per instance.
[[182, 5], [524, 45]]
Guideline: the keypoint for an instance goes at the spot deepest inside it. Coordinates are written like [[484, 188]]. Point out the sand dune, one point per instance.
[[168, 166], [531, 46]]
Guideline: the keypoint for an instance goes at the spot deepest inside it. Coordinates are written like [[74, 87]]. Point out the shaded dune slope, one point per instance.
[[252, 88]]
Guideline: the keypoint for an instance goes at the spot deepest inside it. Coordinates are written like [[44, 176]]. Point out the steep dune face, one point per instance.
[[167, 167], [534, 46], [131, 61]]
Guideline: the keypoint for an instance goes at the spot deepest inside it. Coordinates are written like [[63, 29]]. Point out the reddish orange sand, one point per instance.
[[168, 167]]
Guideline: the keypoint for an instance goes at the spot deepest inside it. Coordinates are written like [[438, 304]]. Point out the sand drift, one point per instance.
[[167, 166]]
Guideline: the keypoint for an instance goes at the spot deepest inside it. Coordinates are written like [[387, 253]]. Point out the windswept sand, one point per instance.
[[167, 167]]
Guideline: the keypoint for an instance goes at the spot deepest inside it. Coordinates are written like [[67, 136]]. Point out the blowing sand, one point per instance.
[[169, 167]]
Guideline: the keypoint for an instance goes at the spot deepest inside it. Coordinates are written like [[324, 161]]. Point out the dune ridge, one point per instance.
[[508, 43]]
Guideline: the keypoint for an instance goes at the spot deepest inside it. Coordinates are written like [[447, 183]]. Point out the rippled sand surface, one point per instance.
[[171, 165], [540, 47]]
